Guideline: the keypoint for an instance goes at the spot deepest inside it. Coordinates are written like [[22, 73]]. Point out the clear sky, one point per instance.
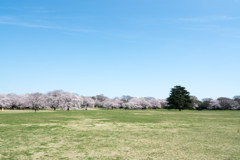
[[120, 47]]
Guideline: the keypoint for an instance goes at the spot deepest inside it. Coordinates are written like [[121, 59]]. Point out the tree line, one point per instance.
[[178, 99]]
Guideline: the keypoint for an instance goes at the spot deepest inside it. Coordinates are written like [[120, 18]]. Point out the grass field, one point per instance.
[[120, 134]]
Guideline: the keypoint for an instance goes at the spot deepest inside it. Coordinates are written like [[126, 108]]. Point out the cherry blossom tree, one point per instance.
[[134, 103], [88, 102], [228, 104], [164, 103], [195, 102], [138, 103], [34, 101], [53, 99], [214, 104], [16, 101], [70, 100], [77, 102], [4, 101], [155, 103], [98, 103], [112, 103]]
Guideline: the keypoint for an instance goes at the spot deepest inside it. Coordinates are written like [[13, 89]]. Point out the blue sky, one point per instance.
[[120, 47]]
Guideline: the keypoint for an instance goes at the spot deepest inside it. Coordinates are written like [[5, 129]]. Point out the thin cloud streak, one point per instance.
[[30, 9], [209, 19], [9, 21]]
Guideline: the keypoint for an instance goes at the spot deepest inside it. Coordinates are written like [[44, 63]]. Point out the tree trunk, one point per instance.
[[180, 109]]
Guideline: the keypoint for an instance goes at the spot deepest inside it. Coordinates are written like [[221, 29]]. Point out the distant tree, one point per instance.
[[112, 103], [214, 104], [155, 103], [237, 98], [228, 104], [94, 98], [138, 103], [195, 102], [179, 99], [101, 97], [53, 99], [134, 103], [71, 100], [34, 100], [164, 103], [126, 98], [149, 98], [205, 103], [88, 102], [145, 103], [5, 101], [98, 104]]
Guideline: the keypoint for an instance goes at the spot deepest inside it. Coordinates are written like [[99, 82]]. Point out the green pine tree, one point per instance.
[[179, 99]]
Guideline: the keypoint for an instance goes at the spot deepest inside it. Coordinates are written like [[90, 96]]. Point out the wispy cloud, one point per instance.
[[30, 9], [46, 11], [8, 20], [209, 19], [12, 21]]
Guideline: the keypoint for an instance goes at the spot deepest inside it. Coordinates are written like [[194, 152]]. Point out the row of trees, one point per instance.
[[221, 103], [179, 99], [55, 100], [66, 101]]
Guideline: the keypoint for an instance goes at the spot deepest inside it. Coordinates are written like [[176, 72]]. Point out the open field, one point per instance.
[[120, 134]]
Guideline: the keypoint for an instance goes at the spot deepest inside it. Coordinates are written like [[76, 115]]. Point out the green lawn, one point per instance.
[[120, 134]]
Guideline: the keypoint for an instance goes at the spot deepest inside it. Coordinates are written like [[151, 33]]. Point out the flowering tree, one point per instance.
[[134, 103], [88, 102], [77, 102], [112, 103], [195, 102], [214, 104], [4, 101], [228, 104], [69, 100], [34, 101], [138, 103], [164, 103], [155, 103], [53, 99], [98, 103]]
